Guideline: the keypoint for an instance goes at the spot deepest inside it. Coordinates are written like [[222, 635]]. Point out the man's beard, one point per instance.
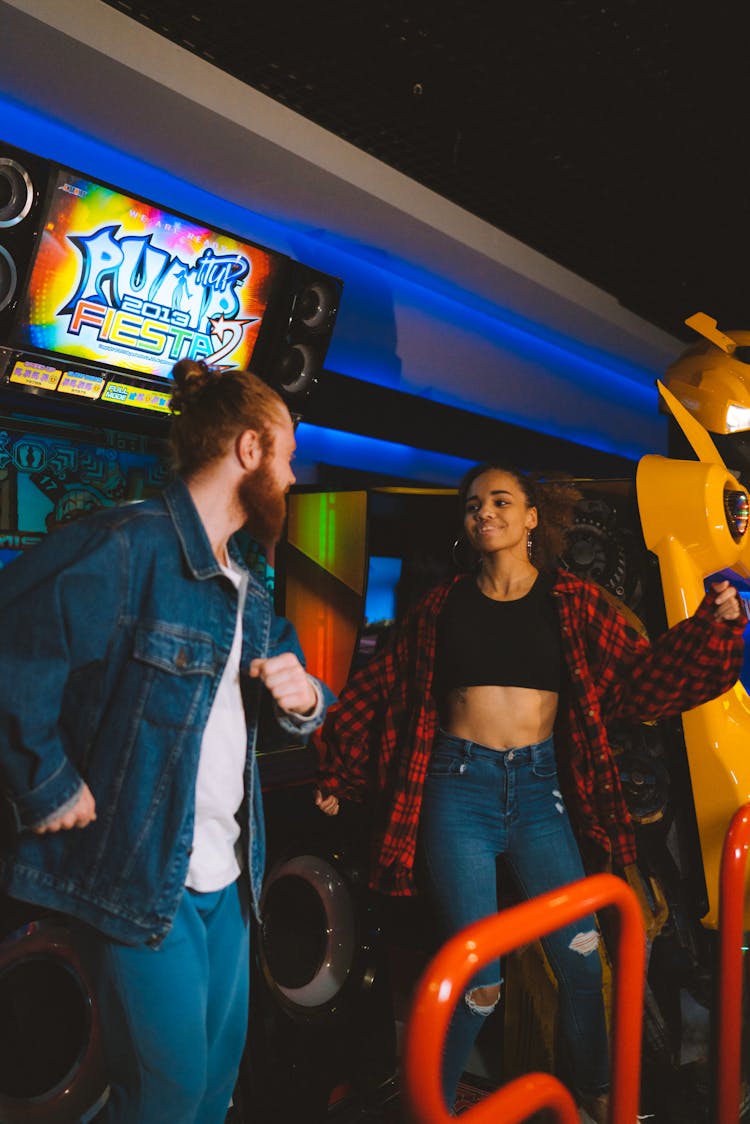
[[264, 505]]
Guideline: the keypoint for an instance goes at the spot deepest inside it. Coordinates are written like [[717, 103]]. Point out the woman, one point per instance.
[[482, 730]]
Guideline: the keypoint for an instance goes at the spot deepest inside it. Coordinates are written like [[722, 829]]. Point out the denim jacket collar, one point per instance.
[[192, 533]]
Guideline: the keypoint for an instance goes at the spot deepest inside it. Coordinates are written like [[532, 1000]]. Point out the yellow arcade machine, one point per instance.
[[685, 778], [694, 516]]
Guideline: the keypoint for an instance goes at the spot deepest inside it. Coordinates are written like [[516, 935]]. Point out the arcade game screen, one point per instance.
[[122, 282], [51, 474]]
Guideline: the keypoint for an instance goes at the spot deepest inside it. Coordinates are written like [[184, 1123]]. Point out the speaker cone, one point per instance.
[[296, 369], [16, 192], [315, 305], [50, 1061], [8, 278], [309, 929]]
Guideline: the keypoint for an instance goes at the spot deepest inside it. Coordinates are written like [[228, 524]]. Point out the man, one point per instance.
[[134, 650]]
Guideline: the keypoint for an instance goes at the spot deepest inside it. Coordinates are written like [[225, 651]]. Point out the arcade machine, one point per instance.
[[100, 293], [684, 778], [694, 515]]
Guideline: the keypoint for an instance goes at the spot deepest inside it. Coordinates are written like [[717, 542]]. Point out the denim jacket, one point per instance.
[[115, 632]]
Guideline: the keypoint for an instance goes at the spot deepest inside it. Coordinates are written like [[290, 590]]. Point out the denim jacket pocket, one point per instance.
[[181, 652], [175, 667]]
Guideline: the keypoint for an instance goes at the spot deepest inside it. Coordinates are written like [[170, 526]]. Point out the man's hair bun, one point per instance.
[[191, 378]]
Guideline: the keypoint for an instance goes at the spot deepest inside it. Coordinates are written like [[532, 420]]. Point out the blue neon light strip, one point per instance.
[[316, 444], [58, 142]]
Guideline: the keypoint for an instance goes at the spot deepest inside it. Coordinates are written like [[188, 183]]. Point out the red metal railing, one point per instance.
[[443, 983], [729, 1004]]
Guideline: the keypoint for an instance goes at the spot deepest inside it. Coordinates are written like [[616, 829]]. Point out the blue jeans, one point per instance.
[[481, 803], [174, 1018]]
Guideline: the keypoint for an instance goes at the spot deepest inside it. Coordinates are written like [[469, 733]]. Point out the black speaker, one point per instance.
[[296, 332], [321, 1012], [51, 1066], [23, 185]]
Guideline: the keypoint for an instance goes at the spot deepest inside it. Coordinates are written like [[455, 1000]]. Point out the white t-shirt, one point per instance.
[[220, 784]]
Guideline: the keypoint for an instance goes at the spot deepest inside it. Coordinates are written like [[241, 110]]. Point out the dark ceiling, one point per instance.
[[610, 136]]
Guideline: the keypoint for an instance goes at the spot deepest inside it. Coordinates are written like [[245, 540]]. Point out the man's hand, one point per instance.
[[328, 804], [81, 814], [727, 605], [287, 680]]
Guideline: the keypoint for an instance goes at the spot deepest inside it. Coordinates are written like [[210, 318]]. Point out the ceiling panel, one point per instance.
[[608, 136]]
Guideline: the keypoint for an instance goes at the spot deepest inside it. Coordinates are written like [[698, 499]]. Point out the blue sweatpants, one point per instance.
[[174, 1018]]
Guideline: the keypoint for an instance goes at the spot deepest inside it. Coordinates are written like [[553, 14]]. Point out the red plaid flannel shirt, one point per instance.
[[377, 739]]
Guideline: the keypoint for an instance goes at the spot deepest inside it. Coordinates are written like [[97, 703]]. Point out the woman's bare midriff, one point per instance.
[[499, 717]]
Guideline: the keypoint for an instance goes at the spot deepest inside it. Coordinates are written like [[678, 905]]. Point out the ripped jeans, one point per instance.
[[481, 803]]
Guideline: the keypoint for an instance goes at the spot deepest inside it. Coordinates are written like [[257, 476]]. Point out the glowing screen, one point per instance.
[[125, 283], [382, 580]]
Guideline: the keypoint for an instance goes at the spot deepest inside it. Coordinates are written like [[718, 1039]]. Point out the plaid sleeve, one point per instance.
[[344, 741], [359, 737], [696, 660], [370, 727]]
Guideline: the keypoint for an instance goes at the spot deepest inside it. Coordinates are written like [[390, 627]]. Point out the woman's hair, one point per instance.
[[554, 497], [211, 407]]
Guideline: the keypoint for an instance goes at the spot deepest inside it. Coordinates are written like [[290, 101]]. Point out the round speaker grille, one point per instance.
[[8, 278], [294, 932], [44, 1028], [309, 930], [315, 305], [51, 1069], [296, 369], [16, 192]]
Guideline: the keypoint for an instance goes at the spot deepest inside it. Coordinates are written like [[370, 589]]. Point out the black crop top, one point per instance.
[[483, 642]]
